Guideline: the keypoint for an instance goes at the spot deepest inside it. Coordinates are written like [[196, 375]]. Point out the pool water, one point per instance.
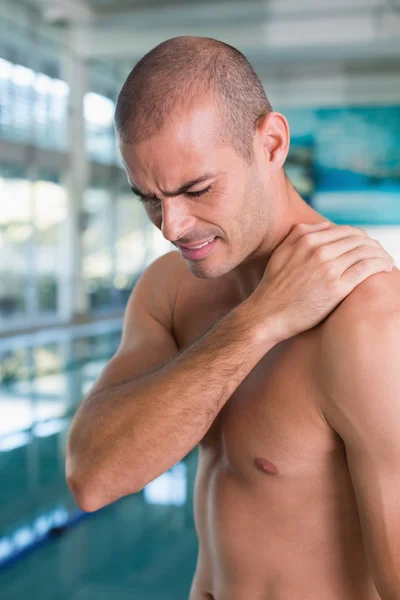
[[143, 546]]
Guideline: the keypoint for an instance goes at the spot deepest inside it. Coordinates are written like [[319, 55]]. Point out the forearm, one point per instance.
[[126, 436]]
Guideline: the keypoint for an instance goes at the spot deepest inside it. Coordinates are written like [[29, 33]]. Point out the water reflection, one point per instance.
[[47, 378], [44, 376]]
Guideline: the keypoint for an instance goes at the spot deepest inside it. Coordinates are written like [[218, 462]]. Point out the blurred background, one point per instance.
[[74, 240]]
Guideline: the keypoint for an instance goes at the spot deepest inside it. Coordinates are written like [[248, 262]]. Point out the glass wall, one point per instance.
[[49, 218], [32, 215], [100, 137], [132, 243], [16, 242], [33, 107], [97, 246], [117, 240]]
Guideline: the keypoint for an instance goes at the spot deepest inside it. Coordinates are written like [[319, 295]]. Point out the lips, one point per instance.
[[198, 253], [196, 246]]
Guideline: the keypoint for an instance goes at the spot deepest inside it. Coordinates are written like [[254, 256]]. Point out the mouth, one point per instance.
[[199, 250], [195, 246]]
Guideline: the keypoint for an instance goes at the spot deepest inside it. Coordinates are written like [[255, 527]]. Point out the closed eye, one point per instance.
[[154, 199], [145, 199], [199, 193]]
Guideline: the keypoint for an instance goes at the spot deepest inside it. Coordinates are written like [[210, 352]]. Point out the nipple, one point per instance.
[[265, 466]]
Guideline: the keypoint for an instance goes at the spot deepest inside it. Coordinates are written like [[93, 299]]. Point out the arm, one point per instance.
[[362, 378], [152, 405], [126, 433]]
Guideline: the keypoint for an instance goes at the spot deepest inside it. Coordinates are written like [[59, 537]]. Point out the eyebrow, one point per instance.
[[181, 190]]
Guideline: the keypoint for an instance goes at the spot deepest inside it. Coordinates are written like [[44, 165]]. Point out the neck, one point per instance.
[[292, 210]]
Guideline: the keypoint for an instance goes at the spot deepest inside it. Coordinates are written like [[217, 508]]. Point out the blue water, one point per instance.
[[143, 546]]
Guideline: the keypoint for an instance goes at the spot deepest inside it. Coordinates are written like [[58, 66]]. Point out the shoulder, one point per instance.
[[357, 360], [374, 301], [362, 335]]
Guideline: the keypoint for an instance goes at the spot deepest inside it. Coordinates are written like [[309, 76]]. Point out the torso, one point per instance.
[[265, 535]]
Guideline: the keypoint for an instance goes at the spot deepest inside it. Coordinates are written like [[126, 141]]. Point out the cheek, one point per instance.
[[252, 214]]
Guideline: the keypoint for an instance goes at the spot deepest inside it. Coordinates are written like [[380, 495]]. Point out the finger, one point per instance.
[[316, 239], [302, 229], [359, 229], [333, 250], [360, 253], [364, 269]]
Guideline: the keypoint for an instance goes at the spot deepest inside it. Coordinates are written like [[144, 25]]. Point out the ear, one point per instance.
[[273, 135]]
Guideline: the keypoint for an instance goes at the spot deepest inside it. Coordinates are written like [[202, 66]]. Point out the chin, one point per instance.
[[201, 270]]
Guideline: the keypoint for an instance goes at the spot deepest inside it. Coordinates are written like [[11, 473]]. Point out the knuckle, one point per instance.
[[360, 251], [300, 227], [360, 230], [307, 241], [321, 253], [366, 250], [375, 243], [330, 271]]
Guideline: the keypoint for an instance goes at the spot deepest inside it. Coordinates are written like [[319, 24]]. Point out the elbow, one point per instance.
[[78, 478], [93, 486], [89, 501], [82, 497], [79, 488], [92, 494]]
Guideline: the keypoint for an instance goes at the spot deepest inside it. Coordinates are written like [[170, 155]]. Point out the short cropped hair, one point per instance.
[[177, 73]]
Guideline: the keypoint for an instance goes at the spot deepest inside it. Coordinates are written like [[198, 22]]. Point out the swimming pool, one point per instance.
[[142, 546]]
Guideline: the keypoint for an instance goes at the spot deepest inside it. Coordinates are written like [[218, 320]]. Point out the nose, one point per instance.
[[176, 218]]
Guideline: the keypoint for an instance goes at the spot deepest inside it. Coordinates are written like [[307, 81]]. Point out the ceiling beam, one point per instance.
[[222, 11], [318, 39], [276, 31]]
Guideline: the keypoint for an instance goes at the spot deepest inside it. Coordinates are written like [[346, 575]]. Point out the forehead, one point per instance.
[[188, 143]]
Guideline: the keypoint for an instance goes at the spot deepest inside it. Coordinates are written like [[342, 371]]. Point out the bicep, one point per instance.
[[147, 340], [363, 380], [376, 483]]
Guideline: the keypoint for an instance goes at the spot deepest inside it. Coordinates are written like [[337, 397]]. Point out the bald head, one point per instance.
[[183, 71]]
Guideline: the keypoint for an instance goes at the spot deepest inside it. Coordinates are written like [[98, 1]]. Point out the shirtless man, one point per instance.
[[275, 348]]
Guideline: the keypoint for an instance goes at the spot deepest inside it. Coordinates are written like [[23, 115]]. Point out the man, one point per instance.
[[270, 339]]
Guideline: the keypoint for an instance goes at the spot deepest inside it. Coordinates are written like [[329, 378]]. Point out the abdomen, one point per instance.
[[272, 539]]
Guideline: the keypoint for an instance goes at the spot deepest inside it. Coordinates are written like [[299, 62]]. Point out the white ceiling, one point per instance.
[[269, 32]]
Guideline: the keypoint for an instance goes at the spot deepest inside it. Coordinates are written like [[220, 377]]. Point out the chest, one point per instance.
[[275, 412]]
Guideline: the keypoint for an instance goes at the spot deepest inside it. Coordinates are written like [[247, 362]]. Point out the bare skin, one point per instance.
[[275, 510]]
